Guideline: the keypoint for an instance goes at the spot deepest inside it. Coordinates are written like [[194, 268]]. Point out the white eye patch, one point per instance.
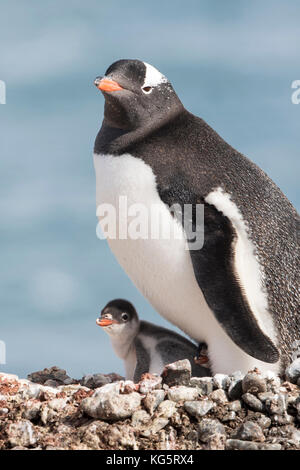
[[153, 78]]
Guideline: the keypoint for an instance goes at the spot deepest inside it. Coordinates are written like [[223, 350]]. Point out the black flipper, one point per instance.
[[213, 267]]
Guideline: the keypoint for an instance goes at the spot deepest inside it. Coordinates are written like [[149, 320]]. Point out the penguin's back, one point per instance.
[[209, 170], [158, 346]]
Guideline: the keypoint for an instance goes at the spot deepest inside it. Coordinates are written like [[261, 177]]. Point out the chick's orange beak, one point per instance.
[[105, 84], [104, 321]]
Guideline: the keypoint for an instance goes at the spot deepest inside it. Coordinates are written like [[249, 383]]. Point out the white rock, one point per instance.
[[182, 393]]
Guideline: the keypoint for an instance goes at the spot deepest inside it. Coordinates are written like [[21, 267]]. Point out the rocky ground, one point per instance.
[[175, 411]]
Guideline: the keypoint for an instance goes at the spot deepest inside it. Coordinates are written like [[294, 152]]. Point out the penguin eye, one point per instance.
[[124, 316], [147, 89]]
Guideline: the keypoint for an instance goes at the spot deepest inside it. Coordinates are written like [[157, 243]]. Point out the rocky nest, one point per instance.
[[174, 411]]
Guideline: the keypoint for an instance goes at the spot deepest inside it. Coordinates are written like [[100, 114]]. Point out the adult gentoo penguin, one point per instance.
[[238, 293], [143, 346]]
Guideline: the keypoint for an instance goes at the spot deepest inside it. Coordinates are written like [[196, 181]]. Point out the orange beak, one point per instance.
[[107, 85], [104, 321]]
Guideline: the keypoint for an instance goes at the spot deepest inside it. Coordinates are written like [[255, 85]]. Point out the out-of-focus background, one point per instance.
[[231, 62]]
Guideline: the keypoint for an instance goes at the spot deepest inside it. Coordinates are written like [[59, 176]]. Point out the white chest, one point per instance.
[[161, 268]]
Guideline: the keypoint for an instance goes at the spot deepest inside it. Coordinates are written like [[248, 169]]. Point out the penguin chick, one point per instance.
[[145, 347]]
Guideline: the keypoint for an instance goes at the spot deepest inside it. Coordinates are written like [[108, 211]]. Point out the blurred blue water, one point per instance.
[[231, 62]]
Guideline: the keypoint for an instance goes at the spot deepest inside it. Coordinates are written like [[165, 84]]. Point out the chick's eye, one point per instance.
[[147, 89], [124, 316]]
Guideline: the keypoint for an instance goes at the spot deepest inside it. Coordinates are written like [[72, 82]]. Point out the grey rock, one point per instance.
[[252, 401], [235, 389], [265, 396], [221, 381], [166, 409], [54, 373], [262, 420], [230, 416], [31, 390], [254, 383], [234, 405], [216, 442], [157, 425], [293, 371], [276, 405], [151, 382], [295, 436], [52, 383], [140, 418], [205, 385], [199, 408], [282, 420], [153, 399], [110, 405], [182, 393], [32, 410], [177, 373], [236, 444], [208, 428], [249, 431], [94, 380], [218, 396], [57, 404], [272, 380], [48, 415], [269, 446], [22, 434]]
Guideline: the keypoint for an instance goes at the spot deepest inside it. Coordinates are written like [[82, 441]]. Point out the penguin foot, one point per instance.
[[202, 356]]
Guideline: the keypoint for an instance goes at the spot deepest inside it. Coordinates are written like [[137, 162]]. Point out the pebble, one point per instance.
[[221, 381], [208, 428], [178, 373], [235, 389], [254, 383], [153, 399], [111, 406], [157, 425], [57, 404], [276, 405], [111, 388], [140, 418], [252, 401], [262, 420], [230, 416], [54, 373], [205, 385], [149, 382], [234, 405], [166, 409], [293, 371], [30, 390], [272, 380], [94, 380], [21, 434], [198, 408], [32, 410], [218, 396], [182, 393], [236, 444], [265, 396], [269, 446], [249, 431]]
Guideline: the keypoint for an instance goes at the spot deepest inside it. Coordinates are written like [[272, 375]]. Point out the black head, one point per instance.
[[118, 312], [136, 94]]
